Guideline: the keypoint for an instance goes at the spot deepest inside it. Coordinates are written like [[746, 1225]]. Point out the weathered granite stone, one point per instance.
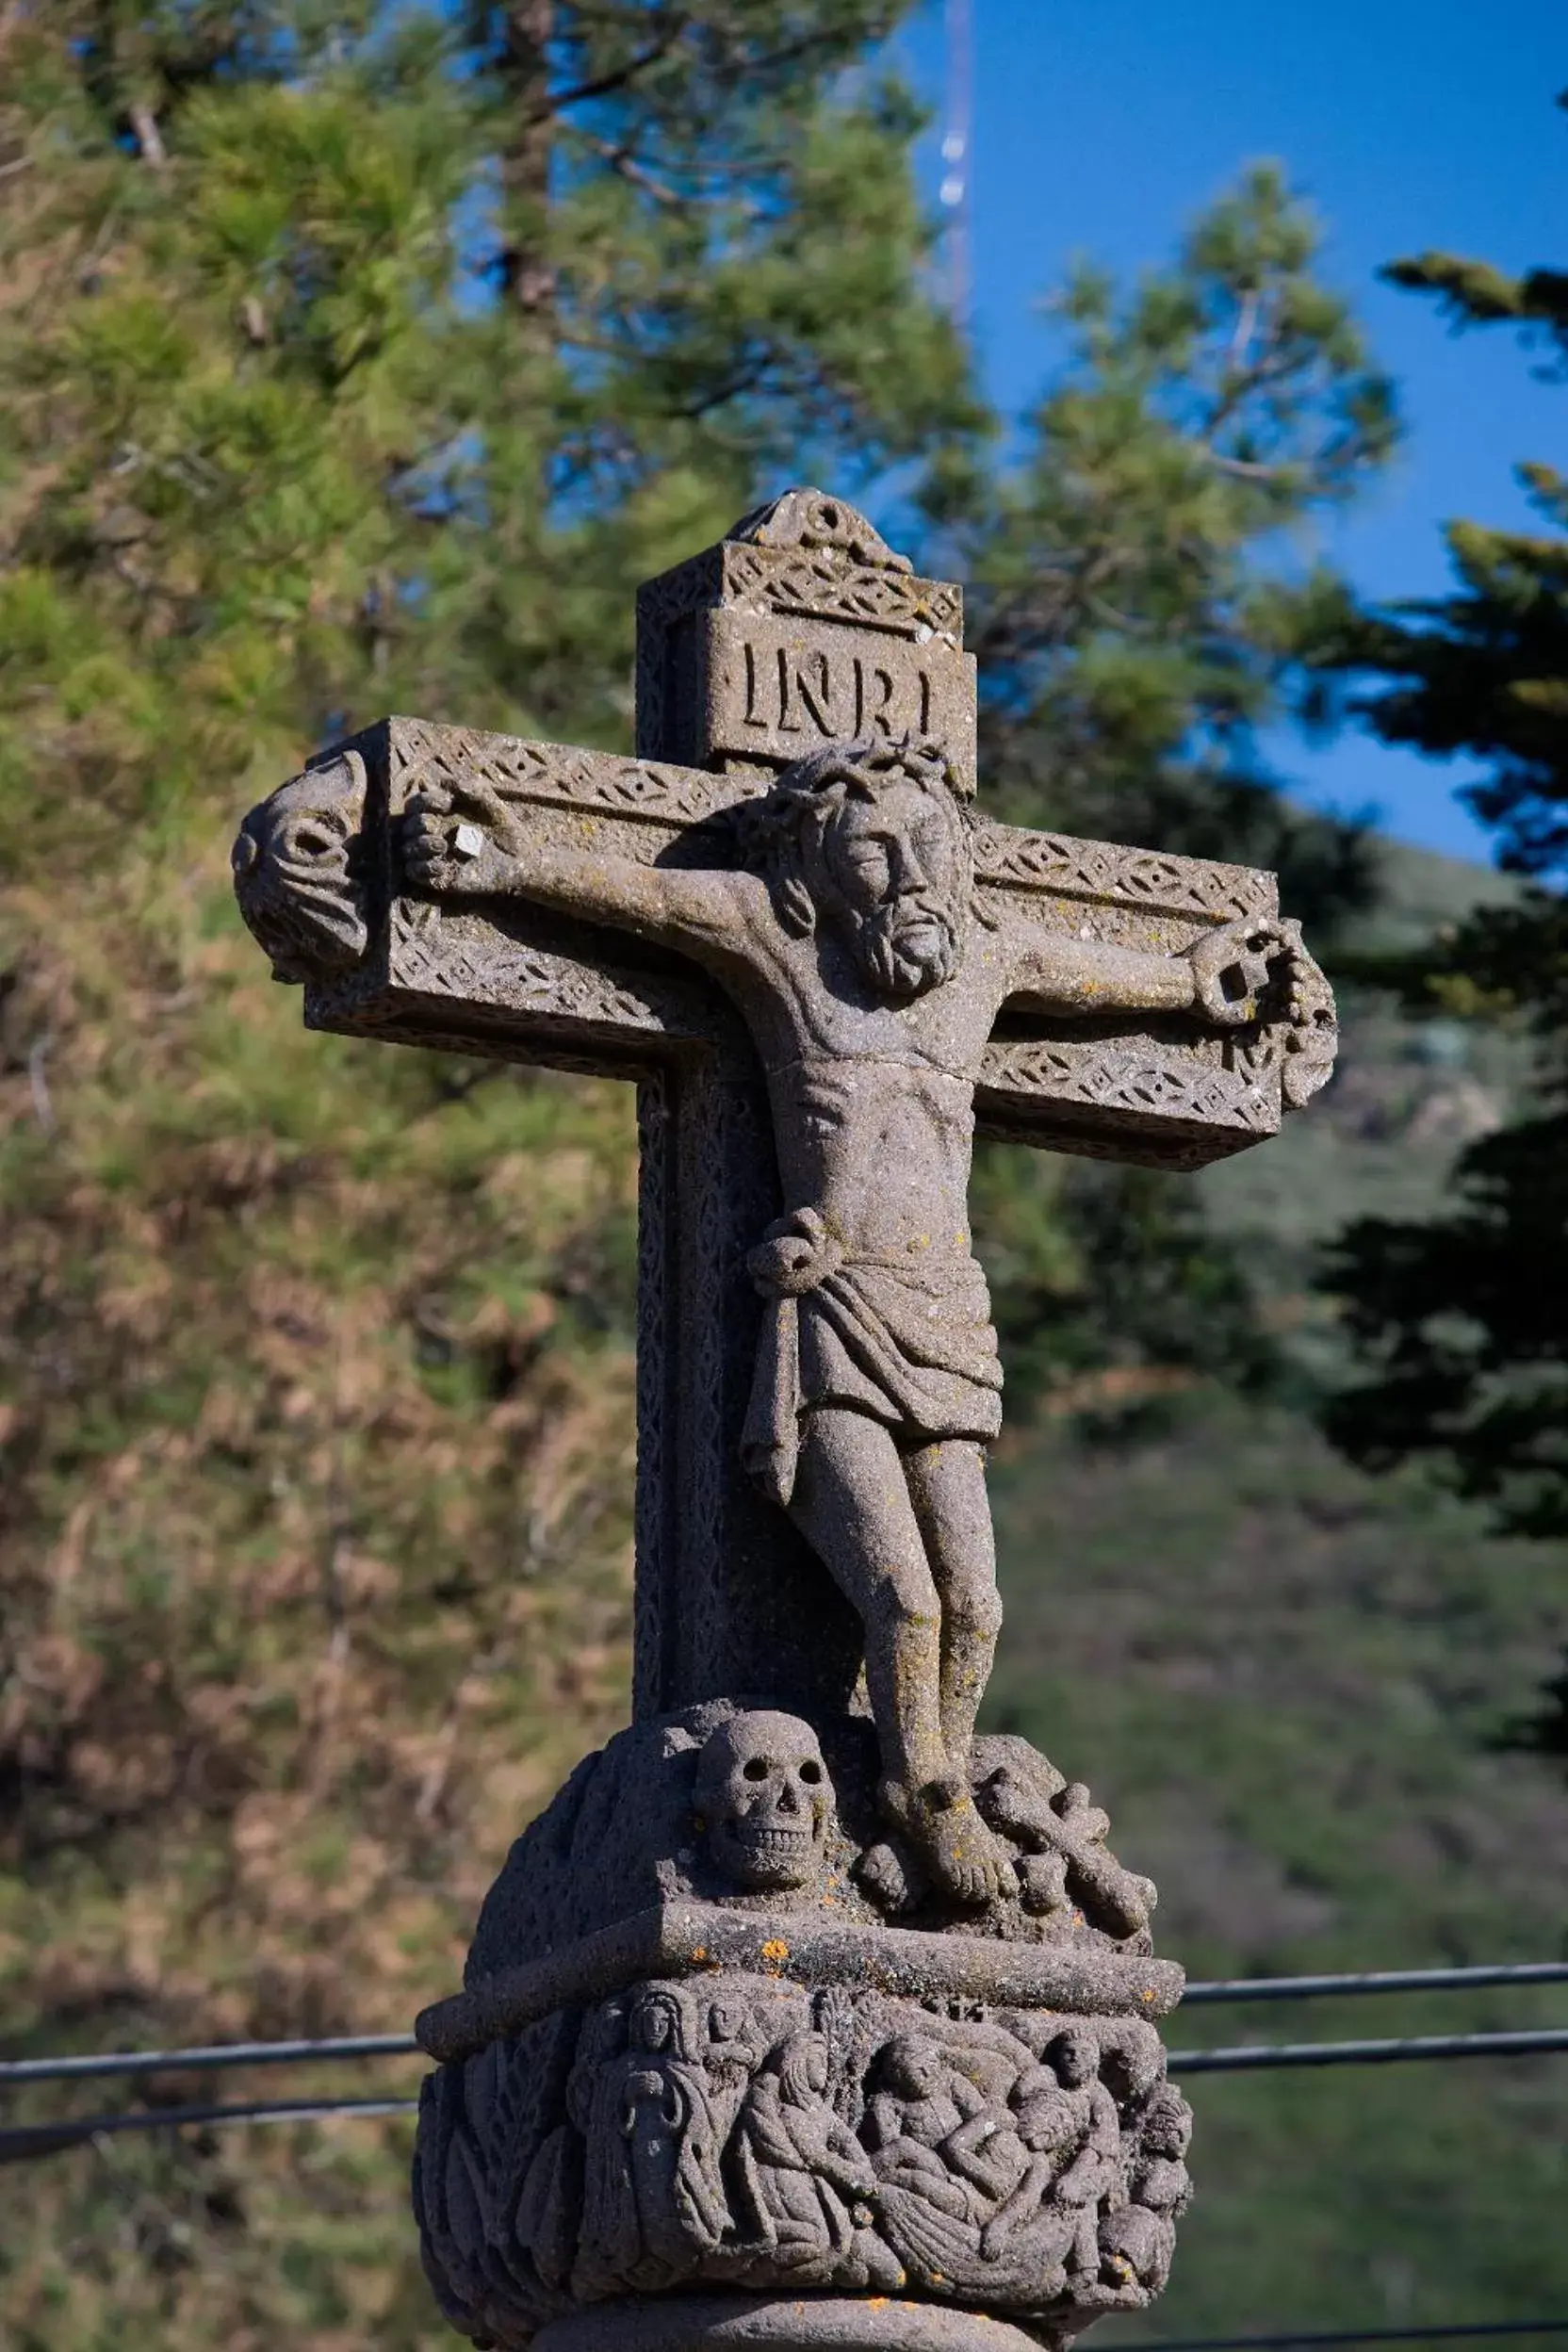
[[690, 2054], [801, 2004], [297, 871]]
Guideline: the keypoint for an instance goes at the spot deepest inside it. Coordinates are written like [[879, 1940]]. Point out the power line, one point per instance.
[[206, 2056], [1248, 2055], [1375, 1980], [19, 2141], [44, 2139]]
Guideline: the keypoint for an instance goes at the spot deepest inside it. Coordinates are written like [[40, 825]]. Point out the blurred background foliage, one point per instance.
[[357, 358]]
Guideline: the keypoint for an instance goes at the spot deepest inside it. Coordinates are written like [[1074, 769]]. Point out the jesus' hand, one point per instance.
[[453, 854], [1235, 966]]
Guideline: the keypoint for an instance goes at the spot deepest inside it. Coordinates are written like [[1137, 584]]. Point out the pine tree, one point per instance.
[[352, 357], [1459, 1318], [1136, 629], [1459, 1321]]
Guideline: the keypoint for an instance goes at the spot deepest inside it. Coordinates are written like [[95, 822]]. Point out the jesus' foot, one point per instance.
[[941, 1822]]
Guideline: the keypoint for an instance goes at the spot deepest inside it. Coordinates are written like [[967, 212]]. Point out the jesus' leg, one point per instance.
[[947, 1483], [853, 1504]]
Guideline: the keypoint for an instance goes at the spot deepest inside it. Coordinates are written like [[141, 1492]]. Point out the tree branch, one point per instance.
[[626, 167], [1245, 469], [150, 146], [605, 84]]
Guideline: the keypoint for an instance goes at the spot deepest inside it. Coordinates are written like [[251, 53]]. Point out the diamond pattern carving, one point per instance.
[[1012, 856], [823, 586], [1186, 1083], [556, 774]]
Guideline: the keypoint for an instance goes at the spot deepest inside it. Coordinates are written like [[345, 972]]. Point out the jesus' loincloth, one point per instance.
[[908, 1341]]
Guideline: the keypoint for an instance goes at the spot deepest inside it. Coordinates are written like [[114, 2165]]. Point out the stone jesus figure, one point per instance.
[[870, 979]]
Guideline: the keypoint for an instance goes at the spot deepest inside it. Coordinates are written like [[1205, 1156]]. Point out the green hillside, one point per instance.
[[1406, 1094], [1281, 1677]]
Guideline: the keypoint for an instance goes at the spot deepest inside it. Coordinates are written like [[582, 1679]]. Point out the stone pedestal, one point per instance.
[[724, 2072], [767, 2323]]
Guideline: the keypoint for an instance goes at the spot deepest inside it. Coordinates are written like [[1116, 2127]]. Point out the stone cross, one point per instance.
[[800, 630], [784, 2009]]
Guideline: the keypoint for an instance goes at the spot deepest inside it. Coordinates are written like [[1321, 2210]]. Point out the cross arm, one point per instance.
[[322, 878]]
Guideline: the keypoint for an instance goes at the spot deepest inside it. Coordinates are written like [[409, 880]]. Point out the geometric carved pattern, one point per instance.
[[553, 774], [824, 589], [1104, 871], [439, 955], [1112, 1077]]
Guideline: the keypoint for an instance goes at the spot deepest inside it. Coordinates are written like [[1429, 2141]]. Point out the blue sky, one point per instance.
[[1103, 125]]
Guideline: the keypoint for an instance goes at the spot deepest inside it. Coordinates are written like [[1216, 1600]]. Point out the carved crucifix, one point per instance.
[[785, 919]]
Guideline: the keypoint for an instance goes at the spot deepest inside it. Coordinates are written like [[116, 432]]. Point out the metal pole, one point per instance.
[[957, 138]]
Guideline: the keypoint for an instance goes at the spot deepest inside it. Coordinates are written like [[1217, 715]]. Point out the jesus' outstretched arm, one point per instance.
[[1221, 978], [492, 853]]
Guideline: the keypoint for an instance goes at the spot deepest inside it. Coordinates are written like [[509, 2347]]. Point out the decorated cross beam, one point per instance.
[[786, 919]]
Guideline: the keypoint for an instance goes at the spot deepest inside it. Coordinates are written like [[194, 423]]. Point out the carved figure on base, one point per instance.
[[808, 2186], [298, 874], [1138, 2240], [652, 2188], [1093, 2177]]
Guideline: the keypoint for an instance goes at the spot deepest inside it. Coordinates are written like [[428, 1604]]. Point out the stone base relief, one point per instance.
[[860, 2108]]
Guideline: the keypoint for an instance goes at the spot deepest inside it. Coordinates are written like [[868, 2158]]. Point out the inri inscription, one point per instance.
[[774, 690]]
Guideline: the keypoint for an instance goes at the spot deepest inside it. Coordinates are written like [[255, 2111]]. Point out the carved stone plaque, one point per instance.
[[771, 688]]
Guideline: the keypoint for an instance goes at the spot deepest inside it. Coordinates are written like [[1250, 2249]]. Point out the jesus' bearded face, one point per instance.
[[895, 877]]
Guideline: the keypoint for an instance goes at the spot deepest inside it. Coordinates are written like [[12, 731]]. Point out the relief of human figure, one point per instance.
[[989, 2151], [808, 2189], [1029, 2235], [920, 2103], [736, 2048], [1137, 2241], [1047, 2224], [870, 977], [930, 2212], [1092, 2181], [653, 2201]]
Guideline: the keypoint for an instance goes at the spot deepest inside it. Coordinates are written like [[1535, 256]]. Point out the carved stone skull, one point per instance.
[[764, 1801]]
